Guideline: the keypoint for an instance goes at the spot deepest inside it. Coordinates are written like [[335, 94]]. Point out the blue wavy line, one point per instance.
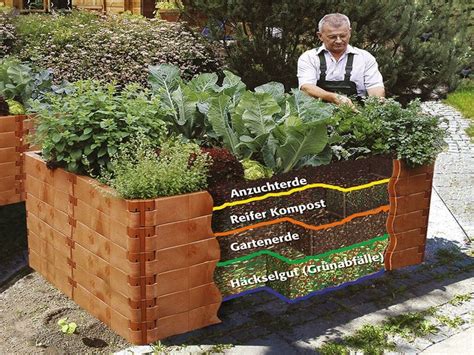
[[302, 298]]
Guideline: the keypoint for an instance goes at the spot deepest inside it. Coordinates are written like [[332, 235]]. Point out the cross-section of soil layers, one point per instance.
[[300, 233]]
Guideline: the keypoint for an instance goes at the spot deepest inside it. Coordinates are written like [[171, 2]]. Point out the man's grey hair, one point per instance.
[[335, 20]]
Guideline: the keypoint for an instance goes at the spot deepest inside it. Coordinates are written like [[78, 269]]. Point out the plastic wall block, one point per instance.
[[409, 195], [143, 267], [13, 144]]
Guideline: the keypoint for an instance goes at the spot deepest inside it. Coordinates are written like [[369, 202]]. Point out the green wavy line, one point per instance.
[[298, 261]]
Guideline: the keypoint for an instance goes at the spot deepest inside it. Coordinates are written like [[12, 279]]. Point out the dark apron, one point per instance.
[[344, 87]]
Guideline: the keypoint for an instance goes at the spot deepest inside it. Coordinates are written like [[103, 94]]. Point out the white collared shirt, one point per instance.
[[365, 72]]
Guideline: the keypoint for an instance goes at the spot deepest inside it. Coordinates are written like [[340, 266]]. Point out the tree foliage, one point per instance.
[[420, 45]]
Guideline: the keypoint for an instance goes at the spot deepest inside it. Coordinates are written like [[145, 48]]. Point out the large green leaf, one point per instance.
[[322, 158], [206, 82], [250, 145], [218, 115], [164, 78], [297, 142], [258, 110], [232, 86], [310, 109], [185, 101], [269, 152], [275, 89]]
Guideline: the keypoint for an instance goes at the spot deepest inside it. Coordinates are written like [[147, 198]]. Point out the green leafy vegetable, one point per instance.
[[15, 107], [253, 170]]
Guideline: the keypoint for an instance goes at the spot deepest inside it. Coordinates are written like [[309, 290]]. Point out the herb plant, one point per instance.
[[137, 171], [82, 129], [388, 128]]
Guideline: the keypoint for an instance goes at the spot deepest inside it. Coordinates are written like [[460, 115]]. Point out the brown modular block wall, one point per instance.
[[143, 267], [409, 193], [12, 146]]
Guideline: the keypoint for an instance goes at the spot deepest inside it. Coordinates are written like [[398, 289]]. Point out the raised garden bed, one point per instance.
[[335, 210], [143, 267], [146, 267]]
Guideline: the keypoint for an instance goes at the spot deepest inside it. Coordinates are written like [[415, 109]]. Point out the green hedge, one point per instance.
[[118, 49]]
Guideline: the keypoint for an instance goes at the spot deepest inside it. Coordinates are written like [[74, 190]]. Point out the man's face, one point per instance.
[[335, 39]]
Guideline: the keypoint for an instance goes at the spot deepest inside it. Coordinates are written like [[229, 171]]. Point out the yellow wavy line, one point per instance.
[[306, 187]]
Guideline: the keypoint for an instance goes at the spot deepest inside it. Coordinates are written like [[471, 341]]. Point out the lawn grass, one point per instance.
[[462, 99]]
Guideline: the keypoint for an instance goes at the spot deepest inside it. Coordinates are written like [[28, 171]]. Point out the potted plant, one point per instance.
[[169, 10]]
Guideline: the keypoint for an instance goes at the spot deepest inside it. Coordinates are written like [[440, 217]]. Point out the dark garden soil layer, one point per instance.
[[298, 279], [278, 237], [273, 208], [345, 173], [315, 205]]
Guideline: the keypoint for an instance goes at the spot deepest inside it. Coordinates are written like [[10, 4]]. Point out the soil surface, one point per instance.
[[29, 313]]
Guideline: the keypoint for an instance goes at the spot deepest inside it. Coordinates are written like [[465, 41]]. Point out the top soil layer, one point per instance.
[[346, 173]]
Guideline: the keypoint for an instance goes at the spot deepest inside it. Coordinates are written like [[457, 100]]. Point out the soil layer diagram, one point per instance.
[[304, 232]]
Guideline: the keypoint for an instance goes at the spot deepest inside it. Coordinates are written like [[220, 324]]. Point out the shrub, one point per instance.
[[7, 34], [115, 48], [387, 128], [419, 45], [136, 171], [82, 129]]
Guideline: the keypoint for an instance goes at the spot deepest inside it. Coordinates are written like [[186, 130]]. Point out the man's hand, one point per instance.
[[317, 92], [343, 100]]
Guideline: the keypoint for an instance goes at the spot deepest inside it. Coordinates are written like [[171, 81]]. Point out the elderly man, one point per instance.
[[337, 70]]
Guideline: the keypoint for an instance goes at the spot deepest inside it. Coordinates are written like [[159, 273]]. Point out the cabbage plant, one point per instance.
[[281, 130]]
